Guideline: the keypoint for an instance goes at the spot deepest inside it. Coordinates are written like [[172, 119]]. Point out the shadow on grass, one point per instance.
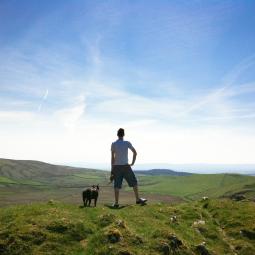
[[82, 206], [114, 208], [110, 206]]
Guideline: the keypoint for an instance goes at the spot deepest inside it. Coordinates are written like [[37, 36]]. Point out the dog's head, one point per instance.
[[95, 187]]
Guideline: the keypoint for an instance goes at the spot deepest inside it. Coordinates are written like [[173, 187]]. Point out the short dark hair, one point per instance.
[[121, 132]]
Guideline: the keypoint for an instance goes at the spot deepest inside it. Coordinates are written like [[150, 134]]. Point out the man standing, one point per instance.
[[121, 169]]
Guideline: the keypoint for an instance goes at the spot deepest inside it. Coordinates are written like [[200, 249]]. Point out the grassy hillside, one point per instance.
[[208, 227], [198, 185]]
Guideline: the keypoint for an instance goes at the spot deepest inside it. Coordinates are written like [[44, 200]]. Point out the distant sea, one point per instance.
[[248, 169]]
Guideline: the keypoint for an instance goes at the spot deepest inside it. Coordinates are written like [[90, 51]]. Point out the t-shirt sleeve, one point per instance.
[[130, 146]]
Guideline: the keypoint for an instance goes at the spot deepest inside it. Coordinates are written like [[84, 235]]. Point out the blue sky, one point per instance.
[[178, 75]]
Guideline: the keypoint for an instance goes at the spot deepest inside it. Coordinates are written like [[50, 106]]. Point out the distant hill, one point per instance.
[[23, 169], [202, 168], [23, 181], [157, 172]]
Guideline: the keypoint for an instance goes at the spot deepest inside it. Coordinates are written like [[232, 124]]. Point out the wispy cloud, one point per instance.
[[43, 99], [231, 78], [71, 115], [223, 99]]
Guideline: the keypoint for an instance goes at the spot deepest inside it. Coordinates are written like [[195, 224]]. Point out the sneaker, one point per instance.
[[141, 201], [115, 205]]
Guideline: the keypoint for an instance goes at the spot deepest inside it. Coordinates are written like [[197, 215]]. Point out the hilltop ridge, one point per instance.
[[33, 169]]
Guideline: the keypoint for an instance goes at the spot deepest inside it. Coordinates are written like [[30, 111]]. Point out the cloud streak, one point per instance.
[[43, 99]]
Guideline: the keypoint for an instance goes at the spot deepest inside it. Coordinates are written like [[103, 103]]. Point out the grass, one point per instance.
[[57, 228], [6, 180]]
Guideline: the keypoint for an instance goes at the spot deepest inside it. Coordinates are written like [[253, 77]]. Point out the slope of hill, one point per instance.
[[36, 173], [156, 172], [201, 227]]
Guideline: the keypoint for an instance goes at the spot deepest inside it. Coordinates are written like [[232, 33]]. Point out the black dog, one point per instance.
[[89, 194]]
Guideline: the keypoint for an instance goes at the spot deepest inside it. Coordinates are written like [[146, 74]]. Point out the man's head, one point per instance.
[[121, 133]]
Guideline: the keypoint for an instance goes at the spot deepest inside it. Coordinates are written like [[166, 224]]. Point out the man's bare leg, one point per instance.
[[139, 200], [135, 188], [116, 193]]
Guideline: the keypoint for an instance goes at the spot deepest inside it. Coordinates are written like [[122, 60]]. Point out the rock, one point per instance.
[[173, 219], [198, 223], [51, 202], [205, 198]]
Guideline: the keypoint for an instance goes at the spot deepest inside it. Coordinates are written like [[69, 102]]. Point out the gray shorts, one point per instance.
[[121, 172]]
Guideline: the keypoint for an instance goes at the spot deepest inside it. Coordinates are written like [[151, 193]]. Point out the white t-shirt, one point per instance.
[[120, 148]]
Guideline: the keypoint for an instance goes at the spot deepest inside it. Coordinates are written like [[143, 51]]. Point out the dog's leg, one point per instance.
[[89, 202], [95, 202]]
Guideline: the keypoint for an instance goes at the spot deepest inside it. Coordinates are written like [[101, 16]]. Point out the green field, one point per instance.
[[197, 185], [225, 227], [185, 187], [6, 180], [31, 181]]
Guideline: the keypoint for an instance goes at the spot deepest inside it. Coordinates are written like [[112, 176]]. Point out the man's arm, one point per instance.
[[134, 156], [112, 163], [112, 159]]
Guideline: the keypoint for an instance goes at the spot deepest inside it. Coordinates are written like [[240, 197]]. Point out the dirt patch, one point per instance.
[[73, 196]]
